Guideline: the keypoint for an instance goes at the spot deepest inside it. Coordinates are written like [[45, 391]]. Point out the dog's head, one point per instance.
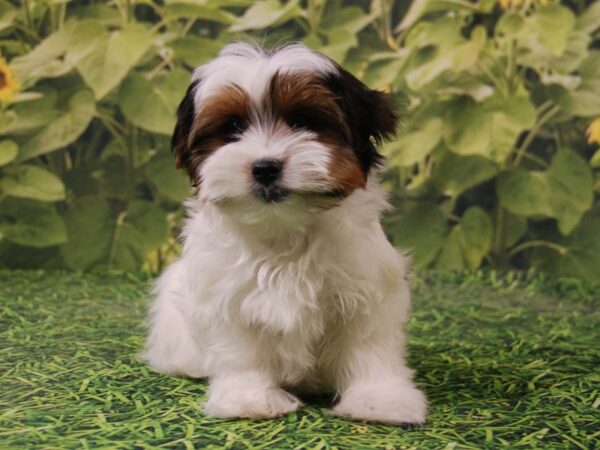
[[282, 132]]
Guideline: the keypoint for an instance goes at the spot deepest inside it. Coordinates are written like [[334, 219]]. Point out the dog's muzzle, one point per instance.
[[266, 173]]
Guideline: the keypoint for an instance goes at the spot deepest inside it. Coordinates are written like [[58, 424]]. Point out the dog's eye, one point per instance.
[[302, 120], [233, 128]]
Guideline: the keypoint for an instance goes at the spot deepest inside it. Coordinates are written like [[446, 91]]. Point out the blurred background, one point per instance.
[[497, 164]]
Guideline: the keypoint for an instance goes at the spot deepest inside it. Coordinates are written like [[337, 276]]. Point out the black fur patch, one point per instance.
[[371, 116], [185, 118]]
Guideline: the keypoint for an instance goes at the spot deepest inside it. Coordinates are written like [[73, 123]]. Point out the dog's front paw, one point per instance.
[[392, 403], [251, 402]]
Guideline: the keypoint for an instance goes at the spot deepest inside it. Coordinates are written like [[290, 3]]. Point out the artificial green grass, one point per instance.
[[505, 363]]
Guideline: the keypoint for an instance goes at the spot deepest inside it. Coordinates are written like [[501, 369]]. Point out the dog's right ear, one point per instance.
[[186, 113]]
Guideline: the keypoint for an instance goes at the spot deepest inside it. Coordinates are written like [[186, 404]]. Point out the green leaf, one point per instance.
[[467, 54], [64, 130], [468, 242], [90, 229], [420, 228], [552, 25], [339, 42], [572, 189], [467, 129], [584, 101], [419, 8], [266, 13], [383, 69], [569, 61], [58, 53], [582, 257], [151, 105], [166, 179], [545, 36], [451, 256], [455, 174], [564, 191], [7, 16], [508, 119], [206, 12], [515, 227], [30, 223], [490, 128], [213, 3], [114, 56], [114, 178], [8, 151], [595, 160], [150, 223], [476, 236], [589, 21], [415, 143], [95, 238], [438, 47], [45, 60], [416, 10], [432, 46], [195, 50], [352, 19], [524, 193], [142, 228], [32, 182], [510, 25], [30, 115], [104, 13]]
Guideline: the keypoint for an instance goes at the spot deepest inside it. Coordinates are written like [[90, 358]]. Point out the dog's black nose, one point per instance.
[[266, 171]]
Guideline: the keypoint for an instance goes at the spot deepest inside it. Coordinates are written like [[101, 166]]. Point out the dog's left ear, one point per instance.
[[186, 113], [371, 116]]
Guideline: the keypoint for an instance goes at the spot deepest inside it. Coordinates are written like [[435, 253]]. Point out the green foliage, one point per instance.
[[498, 103], [490, 168]]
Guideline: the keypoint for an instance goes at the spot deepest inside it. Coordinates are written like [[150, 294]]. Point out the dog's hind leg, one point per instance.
[[171, 346]]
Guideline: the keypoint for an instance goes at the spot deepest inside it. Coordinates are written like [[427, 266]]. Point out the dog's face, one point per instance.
[[278, 134]]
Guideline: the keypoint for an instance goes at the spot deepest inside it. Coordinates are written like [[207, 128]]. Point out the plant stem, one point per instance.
[[187, 27], [28, 19], [386, 17], [113, 245], [545, 117], [536, 159], [511, 65], [158, 69], [500, 238], [499, 85], [315, 11], [537, 243], [131, 154]]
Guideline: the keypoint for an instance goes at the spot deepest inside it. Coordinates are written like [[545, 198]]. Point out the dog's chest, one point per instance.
[[300, 295]]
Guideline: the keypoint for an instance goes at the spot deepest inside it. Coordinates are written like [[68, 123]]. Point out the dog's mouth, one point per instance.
[[272, 194], [277, 194]]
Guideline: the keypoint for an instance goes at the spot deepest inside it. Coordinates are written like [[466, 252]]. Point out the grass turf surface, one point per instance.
[[504, 362]]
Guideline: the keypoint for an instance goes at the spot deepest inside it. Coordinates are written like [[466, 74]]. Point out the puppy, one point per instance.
[[286, 282]]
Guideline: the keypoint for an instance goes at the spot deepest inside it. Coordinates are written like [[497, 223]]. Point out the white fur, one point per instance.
[[322, 310], [293, 294], [250, 67]]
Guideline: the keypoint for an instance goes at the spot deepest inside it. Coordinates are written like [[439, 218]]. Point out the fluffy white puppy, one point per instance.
[[286, 280]]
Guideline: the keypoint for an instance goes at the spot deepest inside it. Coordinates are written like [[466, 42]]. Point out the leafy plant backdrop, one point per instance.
[[492, 166]]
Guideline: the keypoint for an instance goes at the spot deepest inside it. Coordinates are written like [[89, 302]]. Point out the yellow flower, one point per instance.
[[9, 85], [593, 131]]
